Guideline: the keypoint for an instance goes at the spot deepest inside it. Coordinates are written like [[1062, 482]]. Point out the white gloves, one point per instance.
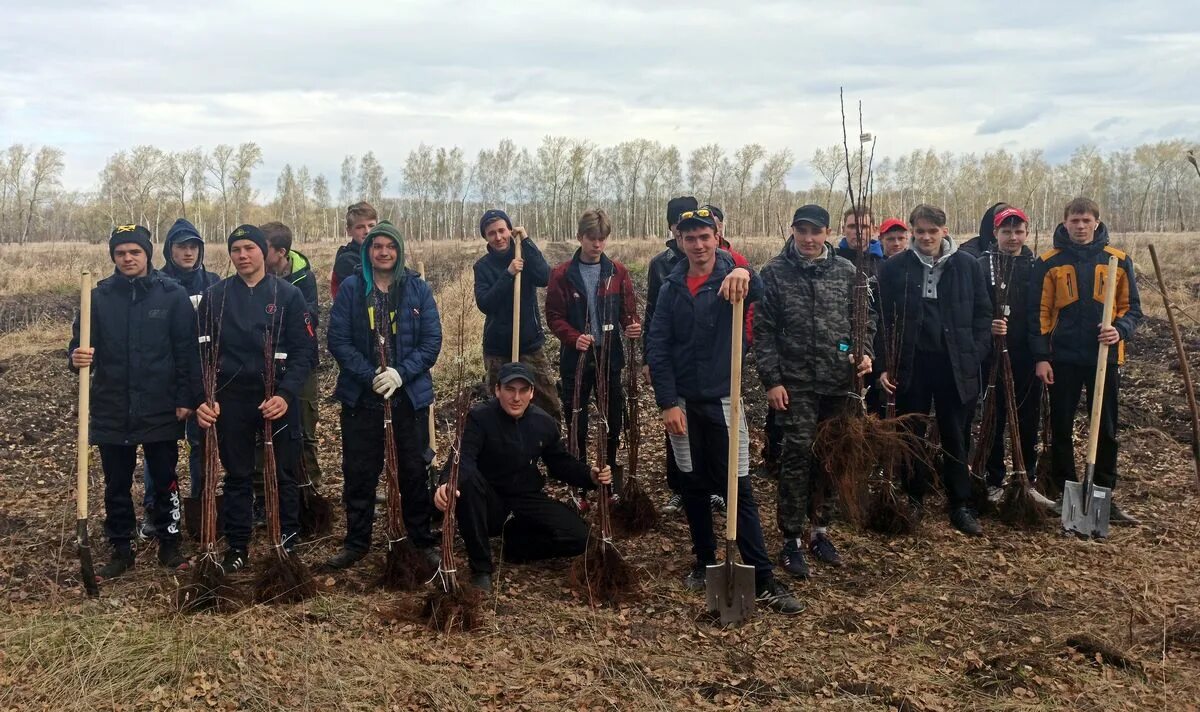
[[387, 382]]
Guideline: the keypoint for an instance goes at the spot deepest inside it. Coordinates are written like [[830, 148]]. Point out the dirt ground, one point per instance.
[[936, 621]]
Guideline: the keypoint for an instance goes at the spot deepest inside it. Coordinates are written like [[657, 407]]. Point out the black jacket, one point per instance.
[[1018, 271], [661, 265], [985, 241], [146, 363], [346, 262], [505, 451], [494, 297], [302, 277], [237, 317], [963, 305]]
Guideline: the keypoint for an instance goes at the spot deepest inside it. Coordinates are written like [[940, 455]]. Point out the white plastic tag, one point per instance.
[[280, 356], [204, 339]]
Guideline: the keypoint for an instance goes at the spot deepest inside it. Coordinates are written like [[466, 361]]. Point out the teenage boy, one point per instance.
[[243, 311], [145, 374], [661, 265], [501, 489], [1065, 311], [985, 241], [688, 351], [893, 235], [495, 273], [360, 218], [590, 290], [803, 330], [1011, 265], [937, 297], [858, 232], [292, 265], [389, 295]]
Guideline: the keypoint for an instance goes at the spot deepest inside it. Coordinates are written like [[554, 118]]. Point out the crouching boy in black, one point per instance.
[[498, 476], [237, 315], [145, 374]]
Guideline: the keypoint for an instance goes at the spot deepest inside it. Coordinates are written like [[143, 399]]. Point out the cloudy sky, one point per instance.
[[311, 82]]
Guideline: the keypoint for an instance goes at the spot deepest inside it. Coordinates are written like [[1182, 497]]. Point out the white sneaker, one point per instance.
[[674, 504]]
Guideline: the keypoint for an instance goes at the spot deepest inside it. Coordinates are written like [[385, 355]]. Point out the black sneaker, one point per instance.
[[791, 560], [121, 561], [431, 554], [674, 504], [344, 559], [717, 502], [169, 556], [1119, 516], [778, 598], [482, 581], [235, 560], [697, 578], [147, 530], [962, 520], [822, 548]]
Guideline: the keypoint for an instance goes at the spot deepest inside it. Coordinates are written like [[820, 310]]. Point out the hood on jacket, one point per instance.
[[182, 230], [298, 262], [1062, 238], [934, 267], [875, 247], [673, 245], [987, 227], [399, 273]]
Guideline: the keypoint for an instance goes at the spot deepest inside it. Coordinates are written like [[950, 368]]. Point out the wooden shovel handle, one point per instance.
[[431, 424], [735, 419], [85, 398], [516, 320], [1110, 295], [1184, 367]]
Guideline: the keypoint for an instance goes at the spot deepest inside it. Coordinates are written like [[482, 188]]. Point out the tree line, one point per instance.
[[439, 192]]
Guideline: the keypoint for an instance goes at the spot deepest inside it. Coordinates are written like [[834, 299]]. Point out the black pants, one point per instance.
[[119, 462], [195, 440], [1029, 417], [703, 473], [931, 386], [540, 528], [616, 408], [238, 431], [1069, 382], [362, 462]]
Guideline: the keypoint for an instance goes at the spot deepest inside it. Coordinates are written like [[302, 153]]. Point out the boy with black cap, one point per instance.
[[1066, 299], [936, 297], [803, 329], [661, 265], [500, 485], [145, 374], [388, 295], [688, 350], [249, 317], [495, 273]]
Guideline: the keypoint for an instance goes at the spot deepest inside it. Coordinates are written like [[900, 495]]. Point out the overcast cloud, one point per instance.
[[311, 82]]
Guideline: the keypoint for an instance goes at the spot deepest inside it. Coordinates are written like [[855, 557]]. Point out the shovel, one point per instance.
[[86, 569], [1086, 507], [518, 235], [730, 586]]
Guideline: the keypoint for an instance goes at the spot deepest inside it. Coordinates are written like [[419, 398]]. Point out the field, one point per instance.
[[936, 621]]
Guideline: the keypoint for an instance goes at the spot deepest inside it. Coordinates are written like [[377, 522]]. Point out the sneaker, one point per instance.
[[791, 560], [995, 494], [482, 581], [674, 504], [778, 598], [121, 561], [717, 502], [579, 501], [697, 578], [962, 520], [1045, 501], [235, 560], [344, 559], [1119, 516], [147, 530], [431, 554], [169, 556], [822, 548]]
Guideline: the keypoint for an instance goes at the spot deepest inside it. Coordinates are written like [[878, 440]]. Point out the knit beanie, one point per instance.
[[492, 216], [251, 233], [136, 234]]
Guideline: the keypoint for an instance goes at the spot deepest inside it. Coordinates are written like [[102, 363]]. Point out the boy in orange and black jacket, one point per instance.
[[1065, 309]]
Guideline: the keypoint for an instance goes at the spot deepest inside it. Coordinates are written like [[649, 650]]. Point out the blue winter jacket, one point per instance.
[[687, 346], [415, 345]]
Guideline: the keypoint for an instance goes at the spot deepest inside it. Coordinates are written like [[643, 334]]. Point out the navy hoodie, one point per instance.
[[197, 279]]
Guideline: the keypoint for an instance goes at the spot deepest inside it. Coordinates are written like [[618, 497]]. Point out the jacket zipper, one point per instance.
[[1070, 286]]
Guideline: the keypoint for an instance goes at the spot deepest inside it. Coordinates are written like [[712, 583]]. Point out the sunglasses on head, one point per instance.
[[701, 213]]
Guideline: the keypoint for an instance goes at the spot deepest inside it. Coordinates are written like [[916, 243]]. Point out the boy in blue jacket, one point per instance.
[[383, 289], [688, 351]]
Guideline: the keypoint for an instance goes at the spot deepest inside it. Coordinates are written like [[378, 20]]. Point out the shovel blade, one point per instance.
[[1090, 518], [730, 591], [87, 571]]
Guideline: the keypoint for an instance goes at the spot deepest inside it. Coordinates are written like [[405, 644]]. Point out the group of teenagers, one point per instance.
[[152, 329]]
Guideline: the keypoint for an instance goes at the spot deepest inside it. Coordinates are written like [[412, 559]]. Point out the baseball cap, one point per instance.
[[514, 371], [892, 224], [699, 216], [1009, 212], [812, 214]]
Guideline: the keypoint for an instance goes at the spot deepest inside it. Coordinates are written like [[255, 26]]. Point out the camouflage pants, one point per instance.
[[803, 486], [545, 391]]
